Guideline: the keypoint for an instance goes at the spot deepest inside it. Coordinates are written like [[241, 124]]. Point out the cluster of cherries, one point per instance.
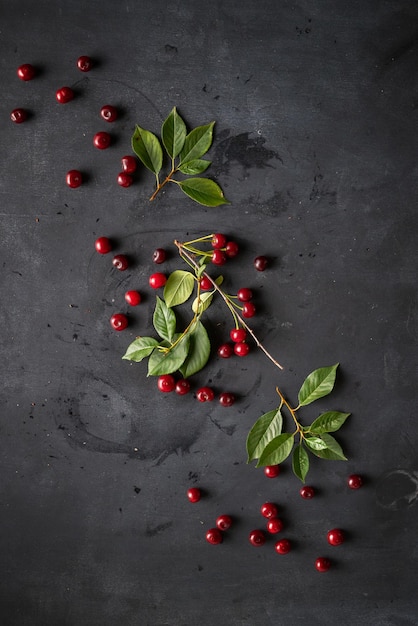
[[274, 523], [101, 139]]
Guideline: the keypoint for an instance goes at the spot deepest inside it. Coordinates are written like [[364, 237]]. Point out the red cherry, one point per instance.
[[103, 245], [119, 321], [231, 249], [226, 399], [244, 294], [129, 164], [218, 241], [275, 525], [194, 494], [205, 283], [120, 262], [26, 71], [335, 537], [205, 394], [224, 522], [271, 471], [322, 564], [157, 280], [248, 310], [166, 383], [64, 95], [133, 298], [238, 334], [84, 63], [109, 113], [257, 538], [159, 256], [101, 140], [307, 492], [226, 350], [214, 536], [182, 387], [283, 546], [124, 179], [268, 510], [241, 349], [18, 116], [74, 179], [260, 263], [218, 257], [355, 481]]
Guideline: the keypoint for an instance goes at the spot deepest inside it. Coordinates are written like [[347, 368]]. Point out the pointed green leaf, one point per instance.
[[173, 133], [300, 462], [219, 280], [197, 143], [199, 351], [161, 363], [332, 450], [315, 443], [148, 149], [277, 450], [328, 422], [178, 288], [140, 348], [164, 320], [318, 384], [204, 191], [266, 428], [197, 166], [202, 302]]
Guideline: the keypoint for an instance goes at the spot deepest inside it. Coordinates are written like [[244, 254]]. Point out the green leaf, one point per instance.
[[148, 149], [202, 302], [300, 462], [277, 450], [266, 428], [197, 143], [315, 443], [219, 280], [140, 348], [168, 362], [318, 384], [204, 191], [199, 351], [173, 133], [178, 288], [197, 166], [332, 450], [164, 320], [328, 422]]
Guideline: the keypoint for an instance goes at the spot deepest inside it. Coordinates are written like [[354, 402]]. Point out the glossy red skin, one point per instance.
[[322, 564], [194, 494], [268, 510], [260, 263], [283, 546], [307, 492], [355, 481], [335, 537], [205, 394], [248, 310], [133, 298], [64, 95], [119, 321], [109, 113], [244, 294], [18, 116], [157, 280], [257, 538], [26, 72], [205, 284], [182, 387], [129, 164], [238, 335], [214, 536], [218, 257], [275, 525], [226, 350], [74, 179], [103, 245], [226, 399], [84, 63], [101, 140], [241, 349], [231, 249], [218, 241], [224, 522], [159, 256], [271, 471], [166, 383], [120, 262], [124, 180]]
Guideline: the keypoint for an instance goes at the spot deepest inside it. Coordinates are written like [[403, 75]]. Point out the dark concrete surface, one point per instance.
[[315, 146]]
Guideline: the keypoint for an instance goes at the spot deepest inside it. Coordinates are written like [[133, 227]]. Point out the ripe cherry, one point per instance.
[[74, 179], [124, 179], [205, 394], [218, 257], [226, 399], [133, 298], [84, 63], [103, 245], [274, 525], [129, 164], [271, 471], [205, 283], [322, 564], [257, 538], [241, 349], [64, 95], [109, 113], [101, 140], [283, 546], [248, 310], [238, 334], [224, 522], [159, 255], [18, 116], [182, 387], [157, 280], [218, 241], [355, 481], [166, 383], [269, 510], [335, 537], [260, 263], [244, 294], [307, 492], [194, 494], [231, 249], [226, 350], [120, 262], [119, 321], [214, 536], [26, 71]]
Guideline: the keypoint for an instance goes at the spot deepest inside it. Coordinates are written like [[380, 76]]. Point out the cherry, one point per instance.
[[194, 494], [257, 538], [241, 349], [218, 257], [218, 241], [226, 350], [224, 522], [269, 510], [103, 245], [133, 298], [271, 471], [64, 95], [260, 263], [84, 63], [120, 262], [18, 116], [226, 399], [248, 310], [166, 383], [109, 113], [74, 179], [231, 249], [159, 255], [335, 537], [238, 334], [129, 164], [322, 564], [274, 525], [119, 321], [157, 280], [355, 481], [205, 283], [182, 387], [214, 536], [244, 294], [26, 71], [307, 492], [205, 394], [124, 179], [101, 140], [283, 546]]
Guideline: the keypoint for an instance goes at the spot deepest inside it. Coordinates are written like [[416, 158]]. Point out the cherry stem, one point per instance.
[[184, 253], [167, 179]]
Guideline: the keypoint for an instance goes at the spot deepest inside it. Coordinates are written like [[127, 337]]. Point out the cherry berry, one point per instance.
[[124, 180], [26, 71], [355, 481], [119, 321], [182, 387], [231, 249], [226, 350], [218, 241], [205, 283], [224, 522], [159, 255], [257, 538], [244, 294], [157, 280], [166, 383], [101, 140], [226, 399], [274, 525], [271, 471], [214, 536], [129, 164], [260, 263], [322, 564], [238, 335], [74, 179], [64, 95], [120, 262], [18, 116], [133, 298], [283, 546], [248, 310], [109, 113], [84, 63], [269, 510], [194, 494], [218, 257], [103, 245], [241, 349], [205, 394], [335, 537], [307, 492]]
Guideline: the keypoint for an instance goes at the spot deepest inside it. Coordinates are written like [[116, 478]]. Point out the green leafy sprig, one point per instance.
[[185, 151]]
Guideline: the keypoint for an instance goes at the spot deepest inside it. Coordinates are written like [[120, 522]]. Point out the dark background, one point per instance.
[[315, 146]]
